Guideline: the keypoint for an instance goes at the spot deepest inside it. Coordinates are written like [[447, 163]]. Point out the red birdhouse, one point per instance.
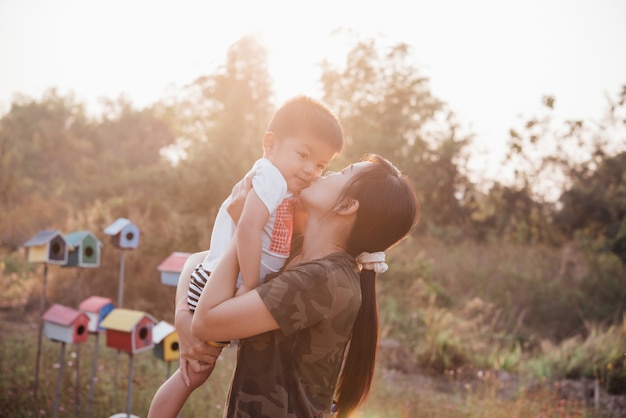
[[128, 330], [65, 324]]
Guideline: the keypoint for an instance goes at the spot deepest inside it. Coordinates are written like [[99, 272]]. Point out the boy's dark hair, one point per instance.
[[303, 115]]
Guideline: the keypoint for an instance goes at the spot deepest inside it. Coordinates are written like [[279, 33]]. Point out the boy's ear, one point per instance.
[[269, 143], [349, 208]]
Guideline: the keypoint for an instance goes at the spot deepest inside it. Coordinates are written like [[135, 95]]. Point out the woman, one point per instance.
[[290, 357]]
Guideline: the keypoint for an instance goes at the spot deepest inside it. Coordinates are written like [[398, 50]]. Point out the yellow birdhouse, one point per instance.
[[47, 246], [165, 340]]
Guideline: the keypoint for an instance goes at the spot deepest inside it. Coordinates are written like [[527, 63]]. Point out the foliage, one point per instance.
[[386, 107], [490, 279]]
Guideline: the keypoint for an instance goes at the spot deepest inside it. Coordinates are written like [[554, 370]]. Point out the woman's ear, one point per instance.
[[348, 208], [269, 143]]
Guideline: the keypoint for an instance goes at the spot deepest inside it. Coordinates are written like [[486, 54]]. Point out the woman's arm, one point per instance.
[[194, 352], [221, 317]]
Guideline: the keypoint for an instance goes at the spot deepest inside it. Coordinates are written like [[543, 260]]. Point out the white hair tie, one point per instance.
[[373, 261]]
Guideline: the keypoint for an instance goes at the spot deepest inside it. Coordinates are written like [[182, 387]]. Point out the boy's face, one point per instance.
[[300, 159]]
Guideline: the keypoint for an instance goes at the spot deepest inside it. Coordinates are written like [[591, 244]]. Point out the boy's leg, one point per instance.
[[173, 393]]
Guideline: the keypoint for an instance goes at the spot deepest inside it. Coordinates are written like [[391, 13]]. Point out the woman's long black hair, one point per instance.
[[388, 209]]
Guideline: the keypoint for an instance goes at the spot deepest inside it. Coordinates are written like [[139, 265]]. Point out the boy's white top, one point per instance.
[[271, 187]]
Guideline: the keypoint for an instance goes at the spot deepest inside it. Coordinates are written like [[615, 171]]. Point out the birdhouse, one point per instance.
[[128, 330], [96, 308], [165, 340], [171, 267], [47, 246], [65, 324], [85, 250], [124, 234]]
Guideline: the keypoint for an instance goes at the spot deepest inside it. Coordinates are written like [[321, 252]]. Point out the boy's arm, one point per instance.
[[238, 197], [249, 235]]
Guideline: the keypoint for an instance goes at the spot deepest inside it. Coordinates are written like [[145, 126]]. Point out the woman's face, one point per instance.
[[323, 193]]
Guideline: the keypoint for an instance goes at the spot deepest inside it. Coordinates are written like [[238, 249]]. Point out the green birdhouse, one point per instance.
[[85, 250]]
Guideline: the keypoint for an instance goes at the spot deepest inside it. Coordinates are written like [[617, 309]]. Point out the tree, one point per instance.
[[220, 122], [386, 107], [41, 143]]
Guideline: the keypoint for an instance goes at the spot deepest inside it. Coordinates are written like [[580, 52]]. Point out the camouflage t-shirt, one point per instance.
[[292, 372]]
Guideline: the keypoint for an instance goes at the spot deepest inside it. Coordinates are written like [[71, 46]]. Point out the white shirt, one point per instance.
[[271, 187]]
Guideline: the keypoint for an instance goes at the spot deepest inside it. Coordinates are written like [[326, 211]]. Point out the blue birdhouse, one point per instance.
[[47, 246], [124, 234], [171, 267], [96, 308], [85, 250]]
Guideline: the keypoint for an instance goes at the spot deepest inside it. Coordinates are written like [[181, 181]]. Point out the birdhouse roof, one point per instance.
[[174, 262], [75, 238], [124, 319], [43, 237], [61, 315], [162, 330], [94, 303], [117, 226]]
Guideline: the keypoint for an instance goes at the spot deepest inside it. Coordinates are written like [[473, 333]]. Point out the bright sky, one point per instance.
[[492, 61]]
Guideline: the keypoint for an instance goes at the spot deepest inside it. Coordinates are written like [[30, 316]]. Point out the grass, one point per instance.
[[394, 395], [480, 321]]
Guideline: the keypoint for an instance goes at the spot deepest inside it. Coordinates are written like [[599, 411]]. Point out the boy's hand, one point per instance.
[[238, 194], [195, 355]]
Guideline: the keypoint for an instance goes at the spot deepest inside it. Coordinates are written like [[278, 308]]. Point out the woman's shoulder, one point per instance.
[[325, 266]]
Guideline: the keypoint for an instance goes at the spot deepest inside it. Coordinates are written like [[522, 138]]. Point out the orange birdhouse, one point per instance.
[[65, 324], [128, 330]]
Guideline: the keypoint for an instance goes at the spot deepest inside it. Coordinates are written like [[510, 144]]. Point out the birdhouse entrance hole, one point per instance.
[[143, 333], [174, 346], [89, 251], [80, 330], [130, 236], [56, 248]]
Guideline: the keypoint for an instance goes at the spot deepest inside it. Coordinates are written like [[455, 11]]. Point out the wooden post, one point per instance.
[[42, 307], [55, 408], [94, 368]]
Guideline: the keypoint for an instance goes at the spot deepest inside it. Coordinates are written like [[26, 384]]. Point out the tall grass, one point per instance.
[[490, 327]]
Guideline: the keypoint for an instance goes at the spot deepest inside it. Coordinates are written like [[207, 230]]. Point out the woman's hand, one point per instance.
[[238, 197], [195, 354]]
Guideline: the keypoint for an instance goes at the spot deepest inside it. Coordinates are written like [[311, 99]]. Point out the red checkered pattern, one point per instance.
[[283, 228]]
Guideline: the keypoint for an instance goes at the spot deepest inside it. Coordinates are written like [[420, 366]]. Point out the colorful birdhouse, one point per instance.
[[96, 308], [165, 340], [85, 250], [171, 267], [65, 324], [47, 246], [128, 330], [124, 234]]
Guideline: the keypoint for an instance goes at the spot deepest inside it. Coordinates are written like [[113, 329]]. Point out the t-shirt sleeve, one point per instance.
[[298, 298], [269, 185]]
